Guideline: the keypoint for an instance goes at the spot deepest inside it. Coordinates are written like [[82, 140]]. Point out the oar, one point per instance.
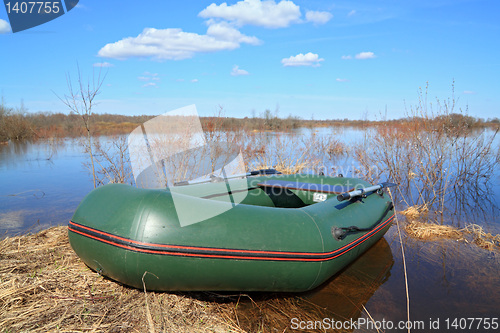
[[215, 178], [362, 191]]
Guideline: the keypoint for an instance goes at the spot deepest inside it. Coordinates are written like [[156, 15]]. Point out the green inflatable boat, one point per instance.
[[275, 233]]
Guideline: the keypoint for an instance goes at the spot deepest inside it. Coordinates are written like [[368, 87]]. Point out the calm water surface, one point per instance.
[[42, 183]]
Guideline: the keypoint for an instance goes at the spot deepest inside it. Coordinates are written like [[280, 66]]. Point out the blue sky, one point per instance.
[[312, 59]]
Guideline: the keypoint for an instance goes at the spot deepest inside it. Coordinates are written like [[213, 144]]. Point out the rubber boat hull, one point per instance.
[[134, 236]]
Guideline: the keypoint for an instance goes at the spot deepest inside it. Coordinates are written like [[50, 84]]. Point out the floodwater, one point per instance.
[[42, 183]]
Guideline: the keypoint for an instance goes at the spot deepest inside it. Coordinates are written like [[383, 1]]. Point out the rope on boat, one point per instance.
[[339, 233]]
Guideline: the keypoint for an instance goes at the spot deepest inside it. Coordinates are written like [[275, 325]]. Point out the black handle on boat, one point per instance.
[[343, 196], [362, 191], [264, 172]]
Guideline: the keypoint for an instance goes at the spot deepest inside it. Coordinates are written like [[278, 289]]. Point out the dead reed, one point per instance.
[[432, 231], [45, 287], [428, 231], [289, 153], [482, 238]]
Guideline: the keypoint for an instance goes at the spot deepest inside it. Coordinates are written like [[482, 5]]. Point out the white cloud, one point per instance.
[[149, 78], [341, 80], [360, 56], [237, 71], [308, 59], [223, 22], [351, 13], [265, 13], [194, 80], [469, 92], [175, 44], [103, 64], [223, 31], [318, 17], [4, 27], [365, 55]]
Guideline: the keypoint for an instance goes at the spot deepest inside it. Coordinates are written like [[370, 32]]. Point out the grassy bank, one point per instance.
[[45, 287]]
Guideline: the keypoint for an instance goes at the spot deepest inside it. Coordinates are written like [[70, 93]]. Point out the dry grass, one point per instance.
[[335, 148], [286, 169], [429, 231], [432, 231], [482, 238], [291, 154], [415, 212], [45, 287]]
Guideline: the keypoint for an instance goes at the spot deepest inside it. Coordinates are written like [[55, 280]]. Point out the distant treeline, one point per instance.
[[16, 124]]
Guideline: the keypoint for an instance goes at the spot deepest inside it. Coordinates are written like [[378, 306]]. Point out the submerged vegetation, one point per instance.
[[418, 227], [290, 154], [436, 159]]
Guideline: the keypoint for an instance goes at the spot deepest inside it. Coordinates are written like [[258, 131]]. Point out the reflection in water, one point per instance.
[[447, 279], [16, 154], [474, 203], [342, 297], [42, 183], [11, 220], [345, 294]]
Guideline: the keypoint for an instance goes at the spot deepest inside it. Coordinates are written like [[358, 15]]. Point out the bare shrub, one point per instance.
[[82, 101], [14, 125], [431, 155], [289, 153], [112, 160]]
